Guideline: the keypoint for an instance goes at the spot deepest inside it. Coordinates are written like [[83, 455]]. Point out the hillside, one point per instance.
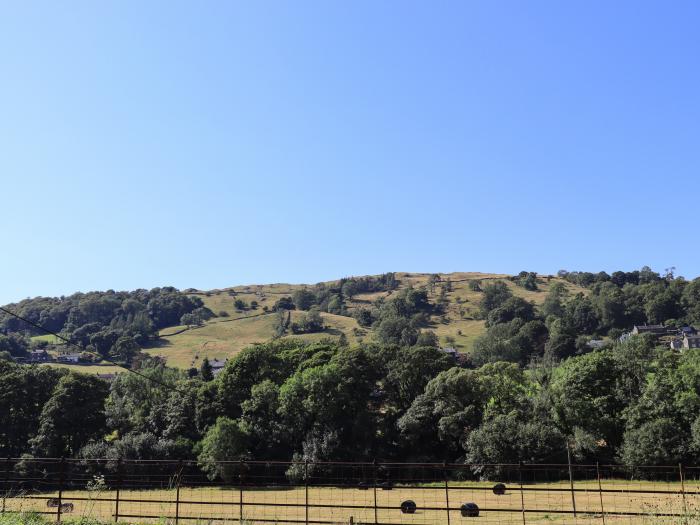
[[223, 337]]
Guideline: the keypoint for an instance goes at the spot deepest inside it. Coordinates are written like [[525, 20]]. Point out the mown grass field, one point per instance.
[[224, 337], [544, 505]]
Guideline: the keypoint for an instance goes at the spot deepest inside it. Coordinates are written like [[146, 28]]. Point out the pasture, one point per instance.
[[543, 503]]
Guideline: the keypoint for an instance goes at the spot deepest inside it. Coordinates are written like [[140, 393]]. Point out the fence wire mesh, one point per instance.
[[175, 492]]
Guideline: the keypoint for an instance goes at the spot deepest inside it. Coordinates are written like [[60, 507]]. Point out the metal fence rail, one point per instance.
[[143, 491]]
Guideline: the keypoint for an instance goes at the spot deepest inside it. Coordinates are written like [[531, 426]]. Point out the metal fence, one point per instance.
[[175, 492]]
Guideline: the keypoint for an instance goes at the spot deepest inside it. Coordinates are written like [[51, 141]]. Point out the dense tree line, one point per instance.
[[532, 389], [112, 324], [633, 403]]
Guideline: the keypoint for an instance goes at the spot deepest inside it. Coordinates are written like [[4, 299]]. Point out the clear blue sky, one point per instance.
[[212, 143]]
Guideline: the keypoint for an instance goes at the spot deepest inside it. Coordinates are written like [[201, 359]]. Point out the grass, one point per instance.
[[220, 338], [203, 504], [49, 338], [224, 337], [89, 369]]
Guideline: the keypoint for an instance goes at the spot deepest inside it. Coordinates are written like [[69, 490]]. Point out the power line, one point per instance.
[[68, 342]]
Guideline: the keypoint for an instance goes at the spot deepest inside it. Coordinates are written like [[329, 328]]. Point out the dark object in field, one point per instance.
[[363, 485], [470, 510], [408, 507], [499, 489], [386, 485], [65, 507]]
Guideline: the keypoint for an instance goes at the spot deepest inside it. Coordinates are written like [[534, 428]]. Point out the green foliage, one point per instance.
[[303, 299], [72, 416], [205, 371], [527, 280], [438, 421], [398, 397], [410, 370], [24, 391], [222, 445], [495, 295], [14, 344], [309, 323], [516, 341], [511, 438], [511, 308], [284, 303]]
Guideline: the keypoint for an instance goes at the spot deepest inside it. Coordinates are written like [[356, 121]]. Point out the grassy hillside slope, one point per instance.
[[224, 337]]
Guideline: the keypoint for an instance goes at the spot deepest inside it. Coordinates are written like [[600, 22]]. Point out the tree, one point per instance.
[[691, 301], [125, 349], [206, 372], [240, 305], [249, 367], [14, 344], [512, 438], [24, 390], [553, 304], [409, 372], [72, 416], [585, 394], [440, 419], [659, 424], [331, 400], [511, 308], [516, 341], [527, 280], [224, 443], [309, 323], [429, 338], [284, 303], [364, 316], [303, 299], [397, 330], [261, 420], [494, 296]]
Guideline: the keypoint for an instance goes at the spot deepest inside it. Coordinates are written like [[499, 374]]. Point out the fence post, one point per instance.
[[119, 484], [680, 474], [447, 492], [61, 473], [600, 490], [522, 494], [240, 492], [306, 491], [6, 485], [177, 492], [374, 486], [571, 477]]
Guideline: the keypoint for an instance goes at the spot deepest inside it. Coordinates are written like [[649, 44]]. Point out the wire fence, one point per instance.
[[174, 492]]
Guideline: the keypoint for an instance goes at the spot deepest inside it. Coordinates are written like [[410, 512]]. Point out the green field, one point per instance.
[[49, 338]]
